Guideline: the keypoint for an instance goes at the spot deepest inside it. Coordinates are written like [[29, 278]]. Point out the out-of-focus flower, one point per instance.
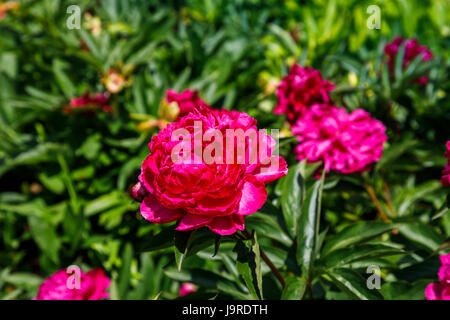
[[198, 192], [300, 89], [268, 82], [186, 101], [173, 105], [344, 142], [187, 288], [119, 77], [93, 24], [114, 81], [445, 179], [92, 286], [440, 290], [7, 6], [412, 50], [88, 104]]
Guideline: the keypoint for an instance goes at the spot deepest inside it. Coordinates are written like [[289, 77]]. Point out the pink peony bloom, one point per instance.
[[300, 89], [412, 50], [93, 285], [187, 288], [440, 290], [445, 179], [345, 142], [217, 194], [186, 100], [88, 104]]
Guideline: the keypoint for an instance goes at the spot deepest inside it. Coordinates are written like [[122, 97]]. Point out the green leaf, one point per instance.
[[293, 196], [344, 256], [356, 233], [398, 68], [182, 243], [421, 234], [125, 271], [295, 288], [63, 79], [354, 284], [162, 240], [248, 264], [403, 290], [207, 279], [45, 236], [308, 232]]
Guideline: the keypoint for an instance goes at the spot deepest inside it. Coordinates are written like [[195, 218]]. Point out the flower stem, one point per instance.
[[374, 199]]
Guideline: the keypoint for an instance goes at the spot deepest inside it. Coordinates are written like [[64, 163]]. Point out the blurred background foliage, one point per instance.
[[64, 178]]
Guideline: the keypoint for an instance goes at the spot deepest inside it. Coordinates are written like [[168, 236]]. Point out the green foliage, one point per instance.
[[65, 179]]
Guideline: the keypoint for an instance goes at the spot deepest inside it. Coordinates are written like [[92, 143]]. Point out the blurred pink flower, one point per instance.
[[216, 194], [93, 285], [187, 288], [440, 290], [412, 50], [345, 142], [88, 104], [300, 89], [186, 100], [445, 179]]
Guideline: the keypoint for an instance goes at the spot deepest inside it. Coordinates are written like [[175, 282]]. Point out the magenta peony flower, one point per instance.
[[345, 142], [445, 179], [203, 183], [186, 100], [412, 50], [440, 290], [187, 288], [300, 89], [88, 104], [92, 286]]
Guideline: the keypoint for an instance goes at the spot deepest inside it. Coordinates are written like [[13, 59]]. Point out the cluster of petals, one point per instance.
[[218, 194], [412, 50], [92, 286], [440, 290], [88, 104], [300, 89], [445, 179], [344, 142]]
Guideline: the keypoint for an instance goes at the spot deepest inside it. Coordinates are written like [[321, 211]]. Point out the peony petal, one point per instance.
[[223, 225], [153, 211], [272, 171], [193, 221], [238, 221], [254, 195], [433, 291]]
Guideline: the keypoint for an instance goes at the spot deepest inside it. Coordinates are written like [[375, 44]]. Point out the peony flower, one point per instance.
[[186, 101], [63, 286], [187, 288], [216, 188], [93, 24], [440, 290], [300, 89], [88, 104], [345, 142], [173, 105], [412, 50], [445, 179]]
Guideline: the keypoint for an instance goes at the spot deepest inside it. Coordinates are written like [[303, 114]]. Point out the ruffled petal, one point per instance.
[[153, 211], [193, 221], [223, 225], [254, 195]]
